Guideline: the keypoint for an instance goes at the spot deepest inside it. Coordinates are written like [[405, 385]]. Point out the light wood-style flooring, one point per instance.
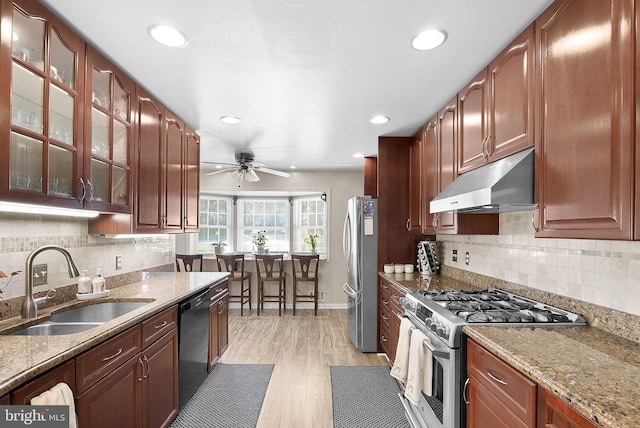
[[302, 348]]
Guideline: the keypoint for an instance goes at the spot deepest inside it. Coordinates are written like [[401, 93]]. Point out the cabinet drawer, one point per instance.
[[384, 289], [383, 338], [158, 325], [217, 291], [64, 373], [512, 388], [384, 315], [96, 363], [395, 297]]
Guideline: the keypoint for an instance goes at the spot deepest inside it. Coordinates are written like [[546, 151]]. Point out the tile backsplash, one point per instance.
[[605, 273], [22, 233]]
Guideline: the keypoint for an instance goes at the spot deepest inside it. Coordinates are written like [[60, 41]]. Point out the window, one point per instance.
[[215, 213], [287, 222], [270, 215], [310, 218]]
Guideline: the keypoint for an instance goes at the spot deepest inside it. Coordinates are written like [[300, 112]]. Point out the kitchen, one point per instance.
[[598, 271]]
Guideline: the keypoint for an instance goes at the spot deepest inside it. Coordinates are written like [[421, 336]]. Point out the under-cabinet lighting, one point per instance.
[[13, 207], [167, 36]]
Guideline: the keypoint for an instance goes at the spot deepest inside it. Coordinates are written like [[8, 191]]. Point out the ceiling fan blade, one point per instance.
[[274, 172], [219, 163], [220, 170]]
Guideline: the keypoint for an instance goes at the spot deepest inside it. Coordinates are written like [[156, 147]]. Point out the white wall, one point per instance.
[[606, 273], [339, 186]]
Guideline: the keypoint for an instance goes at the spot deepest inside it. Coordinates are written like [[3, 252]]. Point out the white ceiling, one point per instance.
[[305, 76]]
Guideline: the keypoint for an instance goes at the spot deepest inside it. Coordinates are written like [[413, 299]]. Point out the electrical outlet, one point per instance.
[[118, 262], [40, 276], [454, 255], [466, 258], [321, 295]]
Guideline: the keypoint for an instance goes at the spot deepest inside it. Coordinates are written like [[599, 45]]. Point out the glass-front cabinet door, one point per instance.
[[108, 135], [43, 117]]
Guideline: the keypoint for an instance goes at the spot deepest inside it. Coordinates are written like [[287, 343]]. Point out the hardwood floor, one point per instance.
[[302, 349]]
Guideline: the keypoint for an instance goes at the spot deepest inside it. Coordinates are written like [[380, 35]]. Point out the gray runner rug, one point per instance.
[[365, 397], [230, 397]]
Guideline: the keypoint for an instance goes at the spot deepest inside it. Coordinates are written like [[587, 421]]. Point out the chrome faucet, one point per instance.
[[30, 307]]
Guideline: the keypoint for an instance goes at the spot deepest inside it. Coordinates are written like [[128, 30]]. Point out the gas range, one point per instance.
[[445, 313]]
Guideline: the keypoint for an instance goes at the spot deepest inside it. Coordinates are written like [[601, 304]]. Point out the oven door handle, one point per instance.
[[434, 351], [408, 412]]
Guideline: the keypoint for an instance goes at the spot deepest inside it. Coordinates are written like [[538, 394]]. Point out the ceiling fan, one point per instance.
[[245, 168]]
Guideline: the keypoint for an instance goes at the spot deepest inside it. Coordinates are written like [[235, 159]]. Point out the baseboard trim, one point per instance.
[[273, 305]]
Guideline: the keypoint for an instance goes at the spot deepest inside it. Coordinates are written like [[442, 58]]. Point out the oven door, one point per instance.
[[443, 408]]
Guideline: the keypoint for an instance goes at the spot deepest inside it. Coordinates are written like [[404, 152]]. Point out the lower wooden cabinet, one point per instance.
[[499, 396], [555, 413], [4, 400], [218, 322], [64, 373], [389, 309], [141, 391]]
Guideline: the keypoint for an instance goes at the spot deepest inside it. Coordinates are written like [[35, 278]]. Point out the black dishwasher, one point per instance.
[[193, 342]]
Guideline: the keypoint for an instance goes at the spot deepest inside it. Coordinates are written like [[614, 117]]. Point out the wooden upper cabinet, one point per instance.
[[416, 170], [192, 181], [108, 135], [429, 173], [511, 93], [148, 210], [41, 90], [446, 155], [172, 173], [472, 123], [585, 105], [495, 109]]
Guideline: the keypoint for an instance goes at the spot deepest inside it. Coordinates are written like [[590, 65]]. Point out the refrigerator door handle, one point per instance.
[[346, 242], [350, 291]]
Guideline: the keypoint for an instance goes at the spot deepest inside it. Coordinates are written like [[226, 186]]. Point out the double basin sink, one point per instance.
[[79, 319]]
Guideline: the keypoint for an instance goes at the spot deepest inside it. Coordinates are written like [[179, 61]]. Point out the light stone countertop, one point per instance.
[[594, 371], [24, 357]]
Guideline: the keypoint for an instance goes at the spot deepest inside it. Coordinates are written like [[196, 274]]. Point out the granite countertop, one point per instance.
[[592, 370], [24, 357]]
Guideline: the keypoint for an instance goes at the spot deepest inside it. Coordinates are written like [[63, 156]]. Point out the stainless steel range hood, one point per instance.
[[502, 186]]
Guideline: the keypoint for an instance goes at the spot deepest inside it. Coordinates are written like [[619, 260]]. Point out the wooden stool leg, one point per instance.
[[241, 298], [315, 298], [295, 295], [249, 292]]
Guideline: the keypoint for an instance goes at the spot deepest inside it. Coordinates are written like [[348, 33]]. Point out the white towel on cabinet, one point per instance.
[[59, 395], [401, 364], [420, 375]]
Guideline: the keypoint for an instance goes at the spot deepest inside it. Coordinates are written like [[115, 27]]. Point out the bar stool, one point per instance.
[[188, 261], [305, 269], [270, 268], [234, 264]]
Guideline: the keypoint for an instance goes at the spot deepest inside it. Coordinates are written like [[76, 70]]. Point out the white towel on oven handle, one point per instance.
[[420, 375], [400, 366]]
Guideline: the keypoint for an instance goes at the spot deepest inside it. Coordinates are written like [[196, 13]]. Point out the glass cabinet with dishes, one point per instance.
[[42, 82], [108, 135]]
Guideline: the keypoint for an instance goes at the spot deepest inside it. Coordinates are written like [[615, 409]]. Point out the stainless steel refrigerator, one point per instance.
[[360, 246]]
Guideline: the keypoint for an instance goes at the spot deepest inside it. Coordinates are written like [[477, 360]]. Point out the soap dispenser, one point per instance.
[[84, 283], [98, 283]]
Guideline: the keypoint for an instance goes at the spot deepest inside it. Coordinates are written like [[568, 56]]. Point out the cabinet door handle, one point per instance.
[[89, 193], [118, 352], [497, 379], [141, 370], [534, 217], [385, 286], [146, 360], [384, 317], [383, 338], [385, 302], [464, 391], [84, 190], [408, 225], [161, 325]]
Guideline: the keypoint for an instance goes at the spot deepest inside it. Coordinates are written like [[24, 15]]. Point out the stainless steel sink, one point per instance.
[[76, 320], [98, 312], [55, 329]]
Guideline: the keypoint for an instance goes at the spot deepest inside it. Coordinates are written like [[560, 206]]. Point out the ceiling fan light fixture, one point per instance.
[[167, 36], [230, 120], [379, 120], [429, 39]]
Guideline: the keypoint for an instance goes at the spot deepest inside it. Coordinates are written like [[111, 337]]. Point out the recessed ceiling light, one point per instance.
[[230, 120], [167, 36], [358, 155], [379, 120], [429, 39], [292, 167]]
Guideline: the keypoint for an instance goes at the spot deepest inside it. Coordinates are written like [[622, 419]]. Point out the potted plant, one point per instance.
[[260, 240], [312, 239], [218, 246]]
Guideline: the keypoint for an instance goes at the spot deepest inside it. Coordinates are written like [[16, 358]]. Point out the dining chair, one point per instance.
[[270, 268], [188, 262], [305, 269], [234, 264]]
